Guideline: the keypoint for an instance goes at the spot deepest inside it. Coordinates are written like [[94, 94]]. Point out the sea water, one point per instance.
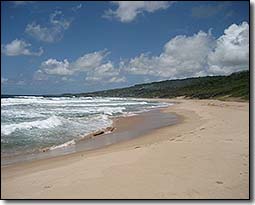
[[30, 123]]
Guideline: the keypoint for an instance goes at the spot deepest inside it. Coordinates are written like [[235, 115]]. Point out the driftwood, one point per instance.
[[100, 132]]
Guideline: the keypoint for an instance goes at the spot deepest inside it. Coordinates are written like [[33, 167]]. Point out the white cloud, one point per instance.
[[43, 33], [92, 64], [89, 61], [54, 67], [58, 19], [105, 73], [19, 47], [58, 24], [182, 56], [127, 11], [197, 55], [4, 80], [232, 50]]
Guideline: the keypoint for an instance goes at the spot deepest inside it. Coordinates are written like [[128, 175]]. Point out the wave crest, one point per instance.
[[50, 122]]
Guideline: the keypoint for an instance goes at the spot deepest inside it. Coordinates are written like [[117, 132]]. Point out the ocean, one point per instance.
[[32, 123]]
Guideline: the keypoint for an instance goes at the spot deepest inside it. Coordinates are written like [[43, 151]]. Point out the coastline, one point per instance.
[[122, 128], [205, 155]]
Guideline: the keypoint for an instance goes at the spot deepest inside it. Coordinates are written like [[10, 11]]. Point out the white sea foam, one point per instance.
[[71, 142], [20, 113], [38, 120], [28, 97], [40, 124]]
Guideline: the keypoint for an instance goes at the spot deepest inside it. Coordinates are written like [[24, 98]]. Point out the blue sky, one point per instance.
[[60, 47]]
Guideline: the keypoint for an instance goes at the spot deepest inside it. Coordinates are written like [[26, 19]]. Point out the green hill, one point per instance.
[[234, 86]]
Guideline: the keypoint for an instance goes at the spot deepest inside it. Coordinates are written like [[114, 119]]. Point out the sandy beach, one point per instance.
[[204, 156]]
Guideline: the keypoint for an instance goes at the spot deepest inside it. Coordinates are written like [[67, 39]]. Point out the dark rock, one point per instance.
[[100, 132], [45, 149]]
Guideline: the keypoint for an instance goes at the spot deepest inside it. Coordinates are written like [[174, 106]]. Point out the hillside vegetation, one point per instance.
[[234, 86]]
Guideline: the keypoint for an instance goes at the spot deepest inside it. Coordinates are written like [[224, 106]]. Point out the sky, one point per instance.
[[71, 47]]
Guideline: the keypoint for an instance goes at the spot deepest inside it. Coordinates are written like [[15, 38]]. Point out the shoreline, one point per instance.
[[122, 128], [204, 156]]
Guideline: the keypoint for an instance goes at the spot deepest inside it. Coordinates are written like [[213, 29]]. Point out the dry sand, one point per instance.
[[205, 156]]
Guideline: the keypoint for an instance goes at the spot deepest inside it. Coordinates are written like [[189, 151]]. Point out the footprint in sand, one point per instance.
[[172, 139], [47, 187], [219, 182], [244, 155]]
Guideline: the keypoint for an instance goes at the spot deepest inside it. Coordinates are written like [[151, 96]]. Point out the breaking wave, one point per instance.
[[32, 122], [40, 124]]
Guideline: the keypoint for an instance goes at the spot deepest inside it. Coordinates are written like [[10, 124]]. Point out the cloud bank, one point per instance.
[[197, 55], [183, 56]]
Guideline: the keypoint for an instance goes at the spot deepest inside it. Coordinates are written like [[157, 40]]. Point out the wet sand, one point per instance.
[[122, 129], [205, 156]]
